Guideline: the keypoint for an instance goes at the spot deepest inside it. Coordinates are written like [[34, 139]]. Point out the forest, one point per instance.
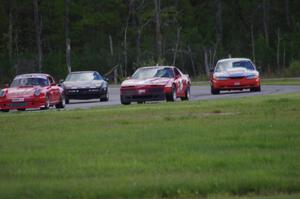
[[58, 36]]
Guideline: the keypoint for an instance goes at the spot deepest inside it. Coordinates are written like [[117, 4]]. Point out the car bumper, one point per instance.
[[141, 94], [86, 93], [27, 103], [235, 84]]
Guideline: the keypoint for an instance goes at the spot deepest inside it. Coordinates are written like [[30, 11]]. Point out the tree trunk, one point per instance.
[[253, 44], [278, 51], [67, 37], [111, 47], [218, 21], [125, 47], [176, 46], [265, 19], [287, 13], [158, 31], [192, 61], [10, 35], [138, 45], [38, 32], [206, 64]]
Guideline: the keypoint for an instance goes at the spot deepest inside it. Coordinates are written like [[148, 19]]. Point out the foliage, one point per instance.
[[293, 70], [92, 22]]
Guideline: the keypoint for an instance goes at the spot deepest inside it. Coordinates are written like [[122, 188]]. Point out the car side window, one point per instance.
[[50, 79], [177, 73], [97, 76]]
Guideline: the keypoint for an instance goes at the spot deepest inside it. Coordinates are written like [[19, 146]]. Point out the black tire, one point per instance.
[[255, 89], [124, 101], [47, 104], [172, 96], [62, 102], [214, 91], [21, 109], [5, 110], [105, 97], [187, 94], [67, 100]]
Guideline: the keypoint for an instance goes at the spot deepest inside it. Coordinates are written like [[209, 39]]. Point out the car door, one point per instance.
[[54, 95], [178, 82]]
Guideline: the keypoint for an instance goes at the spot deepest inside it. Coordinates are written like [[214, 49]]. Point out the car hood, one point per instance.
[[236, 72], [18, 92], [149, 81], [83, 84]]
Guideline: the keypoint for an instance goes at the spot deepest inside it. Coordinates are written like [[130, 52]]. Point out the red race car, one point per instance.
[[234, 74], [32, 91], [155, 83]]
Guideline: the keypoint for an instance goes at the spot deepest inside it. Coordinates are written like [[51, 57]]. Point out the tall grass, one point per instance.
[[230, 148]]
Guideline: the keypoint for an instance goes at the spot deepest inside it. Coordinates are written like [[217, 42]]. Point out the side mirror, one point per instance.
[[106, 79], [211, 70], [258, 68], [128, 77], [61, 81], [6, 85]]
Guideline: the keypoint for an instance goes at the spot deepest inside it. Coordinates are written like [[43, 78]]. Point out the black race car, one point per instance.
[[85, 85]]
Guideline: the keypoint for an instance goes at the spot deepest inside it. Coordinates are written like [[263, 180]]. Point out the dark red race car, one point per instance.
[[32, 91], [155, 83]]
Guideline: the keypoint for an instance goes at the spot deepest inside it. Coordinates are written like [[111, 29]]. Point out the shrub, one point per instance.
[[294, 69]]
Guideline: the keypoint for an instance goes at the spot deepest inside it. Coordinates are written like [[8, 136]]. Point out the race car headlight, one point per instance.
[[37, 92], [252, 76], [98, 84], [2, 93], [221, 78]]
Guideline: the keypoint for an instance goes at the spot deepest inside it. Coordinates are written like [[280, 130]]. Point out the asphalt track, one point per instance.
[[197, 93]]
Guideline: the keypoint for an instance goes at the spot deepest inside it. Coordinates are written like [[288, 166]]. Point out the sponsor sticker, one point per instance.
[[142, 91], [236, 83], [18, 100]]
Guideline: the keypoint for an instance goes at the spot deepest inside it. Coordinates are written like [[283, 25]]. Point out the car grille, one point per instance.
[[238, 77], [18, 104]]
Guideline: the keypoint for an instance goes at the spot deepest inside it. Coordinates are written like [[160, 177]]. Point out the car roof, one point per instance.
[[37, 75], [234, 59], [157, 67], [82, 72]]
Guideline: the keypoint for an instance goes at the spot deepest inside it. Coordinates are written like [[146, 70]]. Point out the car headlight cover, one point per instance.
[[221, 78], [252, 76], [98, 84], [37, 92], [2, 93]]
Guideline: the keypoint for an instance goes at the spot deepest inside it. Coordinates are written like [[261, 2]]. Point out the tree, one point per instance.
[[67, 37], [38, 33]]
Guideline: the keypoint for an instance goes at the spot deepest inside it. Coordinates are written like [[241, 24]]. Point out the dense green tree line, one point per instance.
[[190, 34]]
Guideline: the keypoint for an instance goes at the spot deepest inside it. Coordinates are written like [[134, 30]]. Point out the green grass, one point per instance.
[[237, 148]]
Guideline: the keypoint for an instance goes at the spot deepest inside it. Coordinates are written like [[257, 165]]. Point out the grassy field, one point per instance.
[[244, 148]]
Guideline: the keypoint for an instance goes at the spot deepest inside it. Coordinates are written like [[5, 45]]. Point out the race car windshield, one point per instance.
[[76, 77], [145, 73], [29, 82], [226, 65]]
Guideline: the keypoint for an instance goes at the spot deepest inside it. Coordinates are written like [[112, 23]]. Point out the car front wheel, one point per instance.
[[105, 97], [187, 94], [124, 101], [172, 96], [47, 104], [214, 91], [62, 102]]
